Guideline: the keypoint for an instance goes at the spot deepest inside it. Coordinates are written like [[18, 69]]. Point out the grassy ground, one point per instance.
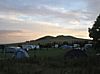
[[50, 52], [50, 61]]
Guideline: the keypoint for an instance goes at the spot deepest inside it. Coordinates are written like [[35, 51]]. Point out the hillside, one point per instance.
[[51, 39], [57, 39]]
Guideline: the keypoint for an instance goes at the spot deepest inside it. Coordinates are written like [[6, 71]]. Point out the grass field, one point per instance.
[[48, 52], [49, 61]]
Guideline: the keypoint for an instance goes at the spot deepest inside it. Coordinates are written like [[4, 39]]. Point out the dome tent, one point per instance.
[[72, 54], [21, 54]]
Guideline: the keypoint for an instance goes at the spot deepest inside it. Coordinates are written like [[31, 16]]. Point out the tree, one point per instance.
[[94, 32]]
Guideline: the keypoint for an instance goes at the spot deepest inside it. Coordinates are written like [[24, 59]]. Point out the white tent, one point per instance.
[[28, 47]]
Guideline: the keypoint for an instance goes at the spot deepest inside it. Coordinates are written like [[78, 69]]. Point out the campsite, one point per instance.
[[49, 62], [62, 59], [49, 36]]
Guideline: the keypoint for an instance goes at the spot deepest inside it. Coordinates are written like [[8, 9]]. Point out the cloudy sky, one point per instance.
[[22, 20]]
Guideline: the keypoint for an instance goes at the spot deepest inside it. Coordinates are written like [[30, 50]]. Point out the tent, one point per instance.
[[72, 54], [21, 54], [88, 46], [66, 47], [28, 47]]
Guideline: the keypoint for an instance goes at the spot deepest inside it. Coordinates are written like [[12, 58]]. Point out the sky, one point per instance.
[[24, 20]]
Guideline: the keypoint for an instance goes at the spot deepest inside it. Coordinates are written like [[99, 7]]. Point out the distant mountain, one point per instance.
[[57, 39], [51, 39], [45, 38]]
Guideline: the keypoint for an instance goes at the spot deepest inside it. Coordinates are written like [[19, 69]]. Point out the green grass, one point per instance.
[[50, 61], [48, 52], [50, 66]]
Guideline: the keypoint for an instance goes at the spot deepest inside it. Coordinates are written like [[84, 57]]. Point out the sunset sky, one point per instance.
[[23, 20]]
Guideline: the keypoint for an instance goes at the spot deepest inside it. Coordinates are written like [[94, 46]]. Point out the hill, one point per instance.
[[50, 39], [57, 39]]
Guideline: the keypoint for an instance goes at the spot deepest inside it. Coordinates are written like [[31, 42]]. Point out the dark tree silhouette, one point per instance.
[[94, 32]]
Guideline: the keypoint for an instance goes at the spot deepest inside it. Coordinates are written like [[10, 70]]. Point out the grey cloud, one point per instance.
[[93, 6], [6, 37], [37, 30], [44, 8], [14, 36], [9, 31]]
